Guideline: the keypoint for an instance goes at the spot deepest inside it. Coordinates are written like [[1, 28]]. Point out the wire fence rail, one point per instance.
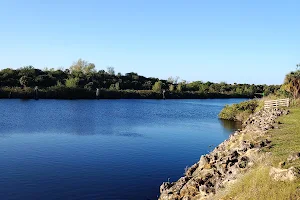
[[277, 103]]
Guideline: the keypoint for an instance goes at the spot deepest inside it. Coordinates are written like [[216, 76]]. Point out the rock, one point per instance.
[[282, 164], [186, 198], [203, 161], [234, 155], [165, 186], [262, 144], [190, 171], [190, 189], [207, 166], [293, 157], [290, 174], [243, 162], [244, 146]]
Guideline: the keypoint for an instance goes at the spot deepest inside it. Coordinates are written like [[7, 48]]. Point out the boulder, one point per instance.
[[293, 157], [290, 174], [243, 162]]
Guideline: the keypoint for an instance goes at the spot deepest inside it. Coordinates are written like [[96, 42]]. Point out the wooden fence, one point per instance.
[[277, 103]]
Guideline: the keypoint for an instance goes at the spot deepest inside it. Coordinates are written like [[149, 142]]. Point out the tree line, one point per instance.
[[83, 76]]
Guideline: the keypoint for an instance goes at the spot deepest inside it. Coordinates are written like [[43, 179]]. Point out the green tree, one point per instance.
[[239, 90], [59, 84], [292, 83], [117, 86], [147, 85], [203, 88], [72, 82], [157, 86], [89, 86], [27, 71], [111, 70], [171, 88], [82, 66], [90, 68], [173, 80], [179, 87], [112, 87], [24, 81]]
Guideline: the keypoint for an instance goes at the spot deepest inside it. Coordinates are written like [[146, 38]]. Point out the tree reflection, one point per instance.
[[231, 125]]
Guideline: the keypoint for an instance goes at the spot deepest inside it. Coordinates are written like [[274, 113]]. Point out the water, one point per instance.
[[106, 149]]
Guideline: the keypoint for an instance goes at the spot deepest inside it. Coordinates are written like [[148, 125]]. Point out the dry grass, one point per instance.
[[257, 184]]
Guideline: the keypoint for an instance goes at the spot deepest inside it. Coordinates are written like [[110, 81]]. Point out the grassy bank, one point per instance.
[[256, 183], [240, 111]]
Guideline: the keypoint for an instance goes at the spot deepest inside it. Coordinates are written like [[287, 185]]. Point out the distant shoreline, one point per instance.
[[80, 93]]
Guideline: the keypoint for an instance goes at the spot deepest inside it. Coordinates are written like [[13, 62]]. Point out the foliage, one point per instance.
[[171, 88], [24, 81], [82, 66], [241, 111], [72, 82], [173, 80], [89, 86], [157, 87], [295, 103], [110, 70], [292, 83], [117, 86], [179, 87], [83, 75]]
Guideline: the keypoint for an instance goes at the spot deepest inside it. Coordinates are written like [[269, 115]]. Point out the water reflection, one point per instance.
[[230, 125]]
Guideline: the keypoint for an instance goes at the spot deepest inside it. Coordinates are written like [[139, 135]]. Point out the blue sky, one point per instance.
[[233, 41]]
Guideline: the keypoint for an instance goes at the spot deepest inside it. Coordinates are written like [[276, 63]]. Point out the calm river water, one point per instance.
[[105, 149]]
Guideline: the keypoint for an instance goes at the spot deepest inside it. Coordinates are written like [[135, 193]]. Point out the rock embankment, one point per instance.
[[226, 162]]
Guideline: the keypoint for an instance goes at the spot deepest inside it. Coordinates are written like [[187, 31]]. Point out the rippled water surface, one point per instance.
[[105, 149]]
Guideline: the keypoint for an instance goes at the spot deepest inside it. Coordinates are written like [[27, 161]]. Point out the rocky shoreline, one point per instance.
[[226, 162]]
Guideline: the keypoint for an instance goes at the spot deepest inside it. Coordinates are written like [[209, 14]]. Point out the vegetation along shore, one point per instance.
[[260, 161], [81, 81]]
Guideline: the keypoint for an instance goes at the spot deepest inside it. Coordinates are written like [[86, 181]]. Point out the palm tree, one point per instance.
[[292, 83]]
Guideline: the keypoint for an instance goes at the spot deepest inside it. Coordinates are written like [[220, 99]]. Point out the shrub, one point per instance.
[[89, 86], [241, 111], [157, 86], [24, 81], [295, 103]]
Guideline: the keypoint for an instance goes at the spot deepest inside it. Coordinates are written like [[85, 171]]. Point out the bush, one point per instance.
[[241, 111], [295, 103], [157, 86]]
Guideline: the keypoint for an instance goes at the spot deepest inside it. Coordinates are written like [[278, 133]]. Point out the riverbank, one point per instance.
[[261, 161], [81, 93]]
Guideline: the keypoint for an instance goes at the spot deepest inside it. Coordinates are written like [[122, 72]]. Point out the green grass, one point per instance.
[[286, 140], [256, 183]]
